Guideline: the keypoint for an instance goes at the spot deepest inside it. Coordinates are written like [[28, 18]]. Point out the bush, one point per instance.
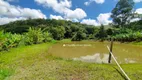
[[47, 37], [58, 32], [128, 37], [34, 36], [79, 35], [8, 40], [101, 35]]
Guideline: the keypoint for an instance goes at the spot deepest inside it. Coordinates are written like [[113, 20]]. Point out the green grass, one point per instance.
[[19, 57], [34, 63], [5, 73]]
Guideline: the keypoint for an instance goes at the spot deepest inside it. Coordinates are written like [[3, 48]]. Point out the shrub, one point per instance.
[[47, 37], [8, 40], [129, 37], [34, 36], [79, 35], [58, 32]]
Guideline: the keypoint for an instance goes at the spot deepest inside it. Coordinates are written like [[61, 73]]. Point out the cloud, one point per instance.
[[64, 8], [10, 12], [103, 18], [56, 17], [139, 11], [135, 19], [90, 22], [5, 20], [77, 13], [97, 1], [137, 1]]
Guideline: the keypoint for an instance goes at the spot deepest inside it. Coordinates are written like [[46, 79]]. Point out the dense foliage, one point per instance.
[[122, 13], [21, 32], [33, 36], [65, 29]]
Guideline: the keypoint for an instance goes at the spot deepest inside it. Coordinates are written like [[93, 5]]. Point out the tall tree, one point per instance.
[[102, 33], [122, 13], [58, 32]]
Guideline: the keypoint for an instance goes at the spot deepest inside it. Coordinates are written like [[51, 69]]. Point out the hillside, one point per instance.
[[23, 25]]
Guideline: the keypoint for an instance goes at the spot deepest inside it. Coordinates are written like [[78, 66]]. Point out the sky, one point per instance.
[[91, 12]]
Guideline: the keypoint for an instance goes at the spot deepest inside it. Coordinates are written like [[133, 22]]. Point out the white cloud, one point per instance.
[[135, 19], [103, 18], [5, 20], [139, 10], [87, 3], [97, 1], [137, 1], [90, 22], [75, 20], [77, 13], [63, 7], [10, 12], [56, 17]]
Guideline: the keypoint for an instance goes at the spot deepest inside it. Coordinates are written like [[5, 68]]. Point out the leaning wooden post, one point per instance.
[[111, 46]]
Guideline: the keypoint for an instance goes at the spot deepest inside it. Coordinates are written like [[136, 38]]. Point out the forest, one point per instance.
[[35, 31]]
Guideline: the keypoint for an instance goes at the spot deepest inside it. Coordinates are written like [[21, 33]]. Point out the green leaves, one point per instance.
[[58, 32], [128, 37], [33, 36], [122, 13], [8, 40], [79, 35]]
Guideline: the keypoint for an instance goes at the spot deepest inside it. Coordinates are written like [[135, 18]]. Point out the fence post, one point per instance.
[[111, 46]]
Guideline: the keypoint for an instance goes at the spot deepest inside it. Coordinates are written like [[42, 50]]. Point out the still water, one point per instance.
[[97, 52]]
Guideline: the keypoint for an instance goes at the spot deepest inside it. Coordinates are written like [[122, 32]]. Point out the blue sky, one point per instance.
[[91, 12]]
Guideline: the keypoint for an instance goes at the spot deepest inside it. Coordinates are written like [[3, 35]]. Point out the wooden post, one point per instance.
[[111, 46]]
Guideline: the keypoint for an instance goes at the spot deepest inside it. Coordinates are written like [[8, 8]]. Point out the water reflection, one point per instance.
[[96, 58], [101, 58], [97, 52]]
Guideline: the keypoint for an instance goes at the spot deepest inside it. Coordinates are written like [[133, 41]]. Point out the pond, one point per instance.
[[97, 52]]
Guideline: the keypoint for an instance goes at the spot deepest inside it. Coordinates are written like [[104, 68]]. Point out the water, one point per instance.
[[96, 52]]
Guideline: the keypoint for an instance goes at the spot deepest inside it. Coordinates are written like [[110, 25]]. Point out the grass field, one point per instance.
[[34, 63]]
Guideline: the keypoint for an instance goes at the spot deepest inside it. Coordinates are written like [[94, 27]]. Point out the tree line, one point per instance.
[[121, 29]]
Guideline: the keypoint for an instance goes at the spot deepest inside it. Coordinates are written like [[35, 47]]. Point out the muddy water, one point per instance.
[[97, 52]]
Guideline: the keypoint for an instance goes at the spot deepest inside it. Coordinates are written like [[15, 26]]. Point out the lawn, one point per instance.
[[34, 63]]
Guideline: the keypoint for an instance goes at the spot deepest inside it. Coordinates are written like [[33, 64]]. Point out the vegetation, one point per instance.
[[123, 29], [33, 36], [74, 31], [102, 33], [122, 13], [18, 52]]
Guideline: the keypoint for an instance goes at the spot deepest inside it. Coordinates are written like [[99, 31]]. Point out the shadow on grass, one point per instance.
[[120, 73]]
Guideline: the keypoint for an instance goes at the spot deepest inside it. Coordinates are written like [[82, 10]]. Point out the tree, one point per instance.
[[68, 33], [122, 13], [102, 33], [58, 32], [34, 36], [79, 35], [109, 31]]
